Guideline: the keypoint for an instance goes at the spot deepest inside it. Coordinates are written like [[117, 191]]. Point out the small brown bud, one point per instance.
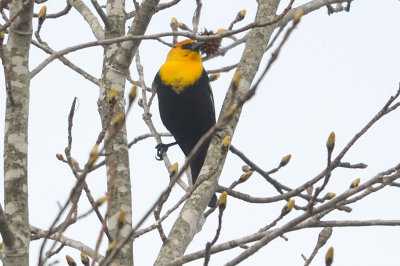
[[183, 26], [297, 16], [70, 261], [101, 200], [226, 142], [330, 143], [42, 14], [285, 160], [355, 183], [60, 156], [236, 78], [246, 168], [93, 154], [132, 94], [245, 176], [140, 102], [173, 169], [85, 259], [288, 207], [241, 15], [174, 24], [222, 200], [329, 195], [329, 257]]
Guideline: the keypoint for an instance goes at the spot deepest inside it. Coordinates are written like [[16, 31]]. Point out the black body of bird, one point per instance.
[[186, 102]]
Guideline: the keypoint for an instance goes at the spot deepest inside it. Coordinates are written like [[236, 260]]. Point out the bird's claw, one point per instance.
[[161, 149]]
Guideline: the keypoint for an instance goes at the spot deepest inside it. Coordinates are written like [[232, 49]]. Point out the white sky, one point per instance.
[[334, 74]]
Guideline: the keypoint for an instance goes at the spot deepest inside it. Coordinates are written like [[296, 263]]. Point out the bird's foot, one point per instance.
[[162, 148]]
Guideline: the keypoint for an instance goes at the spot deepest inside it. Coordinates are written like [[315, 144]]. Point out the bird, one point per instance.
[[186, 102]]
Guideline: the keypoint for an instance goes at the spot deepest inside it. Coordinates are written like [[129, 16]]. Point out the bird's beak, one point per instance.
[[196, 46]]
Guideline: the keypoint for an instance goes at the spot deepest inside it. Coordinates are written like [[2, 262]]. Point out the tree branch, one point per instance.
[[90, 18], [37, 233]]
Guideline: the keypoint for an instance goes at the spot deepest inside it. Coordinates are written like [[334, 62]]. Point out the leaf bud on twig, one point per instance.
[[42, 14], [355, 183], [70, 261], [226, 142], [288, 207], [245, 176], [85, 259], [222, 200], [241, 15], [297, 16], [183, 26], [285, 160], [329, 195], [101, 200], [330, 143], [174, 24], [132, 94], [329, 257], [236, 78], [93, 154], [246, 168], [173, 169], [60, 156]]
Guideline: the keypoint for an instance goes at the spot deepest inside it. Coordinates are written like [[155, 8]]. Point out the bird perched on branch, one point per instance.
[[186, 102]]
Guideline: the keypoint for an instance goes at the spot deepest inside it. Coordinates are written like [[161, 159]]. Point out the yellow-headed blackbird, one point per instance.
[[186, 101]]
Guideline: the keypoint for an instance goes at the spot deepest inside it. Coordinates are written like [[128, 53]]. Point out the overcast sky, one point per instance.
[[334, 74]]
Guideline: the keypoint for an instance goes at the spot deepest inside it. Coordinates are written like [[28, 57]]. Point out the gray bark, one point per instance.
[[116, 62], [16, 251]]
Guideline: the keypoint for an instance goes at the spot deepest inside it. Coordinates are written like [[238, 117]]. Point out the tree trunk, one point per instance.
[[16, 248], [116, 62]]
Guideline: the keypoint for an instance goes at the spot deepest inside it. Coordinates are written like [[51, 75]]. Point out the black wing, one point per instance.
[[187, 115]]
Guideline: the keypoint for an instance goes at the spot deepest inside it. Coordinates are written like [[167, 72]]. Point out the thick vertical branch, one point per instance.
[[16, 135], [188, 222], [116, 62]]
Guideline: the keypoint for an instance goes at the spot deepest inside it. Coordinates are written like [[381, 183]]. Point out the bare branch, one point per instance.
[[66, 62], [37, 233], [58, 14], [196, 16], [101, 13], [90, 18], [316, 4], [323, 237], [166, 5], [145, 136]]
